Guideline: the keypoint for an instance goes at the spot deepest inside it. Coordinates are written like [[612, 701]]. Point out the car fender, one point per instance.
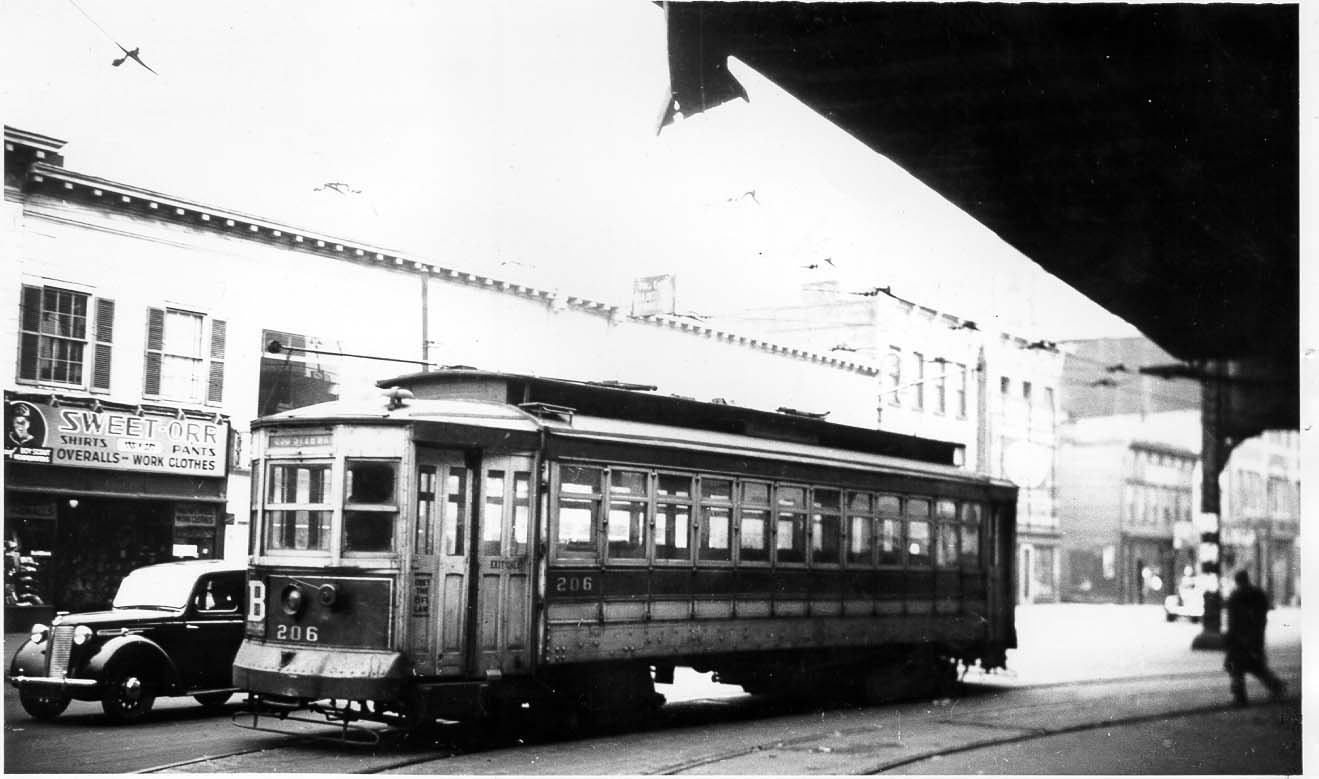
[[132, 648], [29, 660]]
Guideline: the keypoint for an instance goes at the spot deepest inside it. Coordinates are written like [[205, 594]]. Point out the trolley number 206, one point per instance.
[[575, 584], [296, 633]]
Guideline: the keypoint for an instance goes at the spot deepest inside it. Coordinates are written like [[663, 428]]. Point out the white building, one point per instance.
[[142, 325]]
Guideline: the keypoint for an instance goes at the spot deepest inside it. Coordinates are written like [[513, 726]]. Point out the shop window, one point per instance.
[[294, 378], [59, 338], [184, 356], [370, 506]]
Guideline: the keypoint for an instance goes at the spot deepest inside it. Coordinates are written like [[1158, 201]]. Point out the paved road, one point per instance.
[[717, 729]]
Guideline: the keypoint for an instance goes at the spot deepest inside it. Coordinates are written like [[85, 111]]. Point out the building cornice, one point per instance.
[[116, 197]]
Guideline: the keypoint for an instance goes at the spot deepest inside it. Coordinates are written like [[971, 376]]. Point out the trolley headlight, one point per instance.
[[292, 600], [327, 594], [39, 633], [81, 634]]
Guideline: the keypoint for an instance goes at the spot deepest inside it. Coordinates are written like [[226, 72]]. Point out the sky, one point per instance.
[[513, 138]]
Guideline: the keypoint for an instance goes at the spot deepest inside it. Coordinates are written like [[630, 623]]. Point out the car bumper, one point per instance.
[[53, 682]]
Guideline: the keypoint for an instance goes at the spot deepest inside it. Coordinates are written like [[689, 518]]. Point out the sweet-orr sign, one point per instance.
[[118, 440]]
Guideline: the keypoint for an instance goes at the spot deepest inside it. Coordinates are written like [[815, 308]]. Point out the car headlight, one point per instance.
[[39, 633], [81, 634]]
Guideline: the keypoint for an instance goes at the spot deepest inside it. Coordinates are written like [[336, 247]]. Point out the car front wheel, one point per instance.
[[127, 697], [42, 705]]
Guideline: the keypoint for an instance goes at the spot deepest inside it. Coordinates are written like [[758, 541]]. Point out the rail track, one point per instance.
[[751, 732]]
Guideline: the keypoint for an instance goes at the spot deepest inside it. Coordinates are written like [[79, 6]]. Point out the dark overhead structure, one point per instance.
[[1146, 154]]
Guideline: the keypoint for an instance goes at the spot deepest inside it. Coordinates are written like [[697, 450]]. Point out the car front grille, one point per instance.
[[61, 644]]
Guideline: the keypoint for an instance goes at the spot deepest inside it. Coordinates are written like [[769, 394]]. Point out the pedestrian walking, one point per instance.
[[1247, 615]]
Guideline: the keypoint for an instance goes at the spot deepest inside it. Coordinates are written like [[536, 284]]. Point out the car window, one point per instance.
[[156, 586], [218, 594]]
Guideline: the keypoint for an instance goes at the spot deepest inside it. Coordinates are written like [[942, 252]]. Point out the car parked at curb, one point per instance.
[[173, 630]]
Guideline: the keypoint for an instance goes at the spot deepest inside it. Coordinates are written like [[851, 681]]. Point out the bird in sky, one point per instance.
[[131, 55], [338, 186], [751, 193], [870, 293]]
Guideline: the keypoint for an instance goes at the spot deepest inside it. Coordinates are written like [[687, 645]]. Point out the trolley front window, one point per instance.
[[298, 507]]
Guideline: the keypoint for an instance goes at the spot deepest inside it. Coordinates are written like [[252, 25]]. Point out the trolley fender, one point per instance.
[[136, 648]]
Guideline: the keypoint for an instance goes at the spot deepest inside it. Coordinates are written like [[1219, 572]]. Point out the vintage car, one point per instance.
[[1189, 600], [173, 630]]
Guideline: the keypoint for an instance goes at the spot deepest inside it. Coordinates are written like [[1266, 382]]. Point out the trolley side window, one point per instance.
[[826, 527], [753, 523], [673, 516], [716, 520], [918, 532], [578, 512], [860, 529], [370, 505], [946, 548], [790, 525], [629, 502], [971, 513], [890, 541], [298, 507]]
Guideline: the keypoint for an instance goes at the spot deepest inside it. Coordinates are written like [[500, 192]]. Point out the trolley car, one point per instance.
[[482, 542]]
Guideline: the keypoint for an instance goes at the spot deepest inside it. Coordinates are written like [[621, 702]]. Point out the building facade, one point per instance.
[[147, 331], [942, 376], [1130, 479]]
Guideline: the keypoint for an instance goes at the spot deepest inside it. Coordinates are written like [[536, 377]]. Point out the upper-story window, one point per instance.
[[61, 330], [959, 390], [184, 357], [918, 381]]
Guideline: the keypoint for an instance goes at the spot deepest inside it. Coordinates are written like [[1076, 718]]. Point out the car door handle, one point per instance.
[[194, 627]]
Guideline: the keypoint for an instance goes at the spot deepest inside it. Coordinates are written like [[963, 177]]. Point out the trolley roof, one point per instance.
[[563, 398]]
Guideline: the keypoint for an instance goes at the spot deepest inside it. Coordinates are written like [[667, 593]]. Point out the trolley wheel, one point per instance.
[[42, 705]]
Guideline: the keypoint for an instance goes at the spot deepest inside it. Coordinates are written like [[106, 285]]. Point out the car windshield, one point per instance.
[[166, 587]]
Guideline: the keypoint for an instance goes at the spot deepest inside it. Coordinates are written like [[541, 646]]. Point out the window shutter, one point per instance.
[[215, 389], [28, 346], [155, 343], [104, 335]]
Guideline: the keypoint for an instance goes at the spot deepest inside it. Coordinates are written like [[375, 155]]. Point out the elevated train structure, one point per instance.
[[486, 543]]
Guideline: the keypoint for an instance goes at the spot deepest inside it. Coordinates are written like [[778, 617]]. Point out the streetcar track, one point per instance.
[[1038, 733], [948, 717]]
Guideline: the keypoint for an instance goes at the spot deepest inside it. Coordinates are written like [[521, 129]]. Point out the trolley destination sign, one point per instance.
[[97, 437]]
